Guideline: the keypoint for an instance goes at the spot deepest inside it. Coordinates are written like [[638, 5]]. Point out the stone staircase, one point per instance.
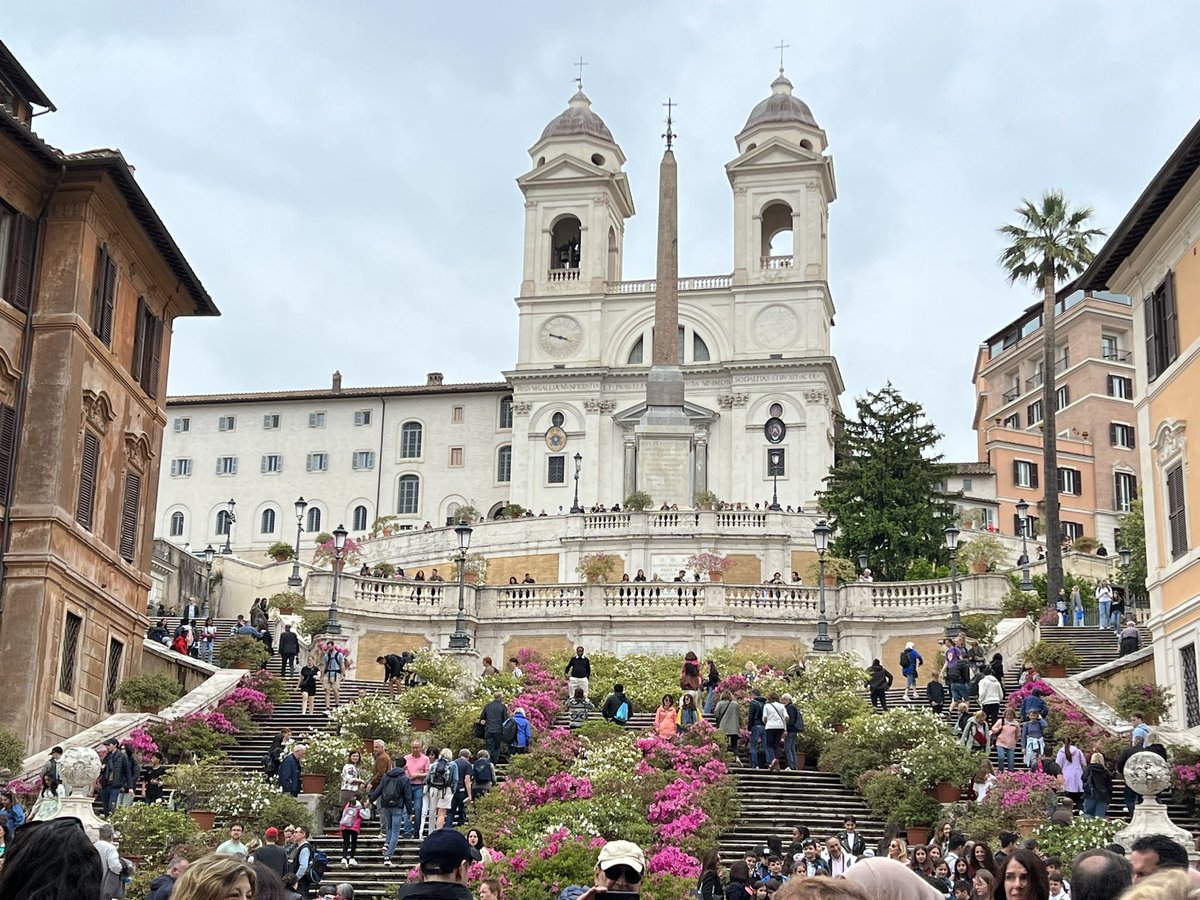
[[1094, 645]]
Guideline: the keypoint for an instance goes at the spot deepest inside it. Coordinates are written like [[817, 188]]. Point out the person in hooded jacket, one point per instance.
[[393, 798], [1097, 788], [879, 680]]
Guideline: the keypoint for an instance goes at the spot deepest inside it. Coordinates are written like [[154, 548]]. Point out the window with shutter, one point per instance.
[[103, 295], [130, 513], [139, 342], [89, 469], [1176, 511], [8, 437], [19, 290], [154, 356], [1162, 328]]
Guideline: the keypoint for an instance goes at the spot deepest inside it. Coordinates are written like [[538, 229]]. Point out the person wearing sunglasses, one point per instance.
[[619, 871]]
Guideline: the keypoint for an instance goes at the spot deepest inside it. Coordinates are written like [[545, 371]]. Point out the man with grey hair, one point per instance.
[[1099, 875], [344, 892], [162, 886], [110, 863]]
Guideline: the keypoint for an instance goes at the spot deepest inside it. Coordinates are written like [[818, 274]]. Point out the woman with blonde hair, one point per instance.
[[898, 850], [217, 877]]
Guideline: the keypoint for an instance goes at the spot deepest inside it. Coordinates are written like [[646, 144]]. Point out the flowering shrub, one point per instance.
[[673, 861], [327, 753], [708, 562], [1150, 700], [1015, 795], [143, 744], [26, 791], [373, 717], [199, 733], [1068, 841], [351, 553], [271, 686], [253, 701], [437, 668], [243, 799]]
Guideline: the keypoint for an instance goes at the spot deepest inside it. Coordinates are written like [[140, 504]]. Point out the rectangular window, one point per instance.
[[556, 470], [456, 457], [456, 414], [1072, 530], [317, 462], [112, 674], [181, 467], [182, 424], [776, 462], [226, 465], [104, 292], [1176, 511], [1062, 398], [1070, 481], [1025, 473], [8, 436], [271, 421], [316, 420], [1108, 346], [69, 659], [1013, 421], [272, 463], [226, 423], [1187, 674], [1033, 412], [967, 484], [504, 464], [89, 470], [987, 517], [1121, 435], [362, 417], [1124, 490], [18, 241], [506, 412], [363, 460], [1121, 387], [131, 509], [1029, 526], [147, 348], [1162, 328]]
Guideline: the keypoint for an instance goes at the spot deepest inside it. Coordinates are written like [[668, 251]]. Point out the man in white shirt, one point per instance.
[[837, 859], [110, 864]]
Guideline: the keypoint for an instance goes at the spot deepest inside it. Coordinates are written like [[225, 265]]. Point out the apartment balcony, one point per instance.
[[1034, 382], [1110, 354], [1011, 394]]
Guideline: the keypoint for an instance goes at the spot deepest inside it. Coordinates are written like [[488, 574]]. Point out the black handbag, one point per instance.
[[478, 730]]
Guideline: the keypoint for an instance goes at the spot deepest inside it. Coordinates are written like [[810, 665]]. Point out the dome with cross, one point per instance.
[[577, 119]]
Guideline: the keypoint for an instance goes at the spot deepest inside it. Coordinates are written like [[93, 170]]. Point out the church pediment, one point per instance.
[[697, 414], [774, 151], [568, 170]]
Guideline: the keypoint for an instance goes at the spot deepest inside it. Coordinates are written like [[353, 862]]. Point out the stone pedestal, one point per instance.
[[80, 767], [664, 462], [1147, 774]]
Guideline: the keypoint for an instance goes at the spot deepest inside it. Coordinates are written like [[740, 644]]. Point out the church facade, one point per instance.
[[761, 385]]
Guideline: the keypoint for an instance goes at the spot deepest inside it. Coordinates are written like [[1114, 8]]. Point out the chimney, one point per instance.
[[433, 378], [337, 381]]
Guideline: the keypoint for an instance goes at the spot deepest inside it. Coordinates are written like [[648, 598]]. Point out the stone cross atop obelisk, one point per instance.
[[664, 389]]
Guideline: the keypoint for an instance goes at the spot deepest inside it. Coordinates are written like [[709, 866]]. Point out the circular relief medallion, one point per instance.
[[556, 438], [775, 430], [775, 327]]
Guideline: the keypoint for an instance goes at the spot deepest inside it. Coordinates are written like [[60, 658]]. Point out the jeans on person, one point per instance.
[[1007, 758], [390, 819], [789, 749], [417, 792], [708, 701], [206, 650], [458, 808], [1034, 747], [492, 742], [1105, 612], [110, 799], [1097, 809], [757, 734], [910, 682], [960, 690], [774, 738]]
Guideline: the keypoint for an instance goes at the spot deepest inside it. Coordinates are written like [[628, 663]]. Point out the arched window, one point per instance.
[[360, 518], [408, 495], [223, 521], [637, 352], [564, 243], [614, 257], [176, 524], [504, 464], [699, 349], [312, 522], [506, 412], [776, 234], [410, 440], [267, 526]]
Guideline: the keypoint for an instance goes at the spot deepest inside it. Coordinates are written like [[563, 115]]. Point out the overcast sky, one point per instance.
[[341, 176]]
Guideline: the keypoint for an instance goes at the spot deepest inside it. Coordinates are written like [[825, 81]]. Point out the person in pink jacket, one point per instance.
[[665, 724], [350, 824]]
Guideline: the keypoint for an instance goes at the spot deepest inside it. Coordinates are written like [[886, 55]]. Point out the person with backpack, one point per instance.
[[439, 790], [492, 718], [775, 726], [910, 661], [879, 680], [517, 733], [350, 825], [483, 774], [311, 863], [393, 798], [617, 708], [333, 665], [795, 725], [464, 789], [729, 719]]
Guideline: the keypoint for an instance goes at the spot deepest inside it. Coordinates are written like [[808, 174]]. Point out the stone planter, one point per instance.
[[240, 664], [1026, 827], [917, 835], [312, 784], [1054, 670], [979, 568], [715, 576], [203, 818], [153, 709], [419, 723]]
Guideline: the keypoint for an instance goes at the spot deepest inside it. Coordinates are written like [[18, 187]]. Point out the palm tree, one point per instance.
[[1050, 244]]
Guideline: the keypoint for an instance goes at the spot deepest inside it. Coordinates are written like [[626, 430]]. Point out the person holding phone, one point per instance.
[[618, 873]]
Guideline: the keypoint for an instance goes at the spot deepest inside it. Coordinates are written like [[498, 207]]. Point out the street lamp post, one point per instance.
[[1125, 553], [294, 580], [459, 640], [339, 544], [862, 562], [209, 553], [575, 507], [776, 458], [955, 628], [226, 550], [823, 643], [1023, 518]]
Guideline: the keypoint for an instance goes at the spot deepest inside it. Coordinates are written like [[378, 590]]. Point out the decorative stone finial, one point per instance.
[[1147, 774]]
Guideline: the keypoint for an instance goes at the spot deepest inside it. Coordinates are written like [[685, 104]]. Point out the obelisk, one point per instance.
[[665, 433]]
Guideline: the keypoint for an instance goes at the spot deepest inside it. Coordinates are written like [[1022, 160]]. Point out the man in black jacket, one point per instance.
[[272, 854], [879, 680], [162, 886], [612, 704], [289, 650], [493, 716], [578, 671], [393, 672], [445, 857]]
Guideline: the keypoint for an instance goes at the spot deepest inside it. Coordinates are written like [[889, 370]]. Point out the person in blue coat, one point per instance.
[[910, 659], [524, 732], [290, 770]]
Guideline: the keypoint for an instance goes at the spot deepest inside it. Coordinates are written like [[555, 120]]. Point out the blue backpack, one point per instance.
[[622, 713]]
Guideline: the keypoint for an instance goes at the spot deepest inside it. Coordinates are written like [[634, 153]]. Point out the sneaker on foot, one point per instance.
[[388, 863], [353, 861], [345, 863]]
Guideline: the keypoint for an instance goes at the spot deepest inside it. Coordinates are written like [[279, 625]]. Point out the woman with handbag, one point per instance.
[[350, 824]]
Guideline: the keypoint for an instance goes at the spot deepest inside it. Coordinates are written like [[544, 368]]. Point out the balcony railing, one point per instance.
[[1034, 382], [562, 275], [649, 285], [776, 262], [1012, 393], [1062, 363], [1111, 354]]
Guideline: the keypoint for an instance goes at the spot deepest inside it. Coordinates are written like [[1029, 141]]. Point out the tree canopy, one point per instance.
[[1132, 535], [884, 493]]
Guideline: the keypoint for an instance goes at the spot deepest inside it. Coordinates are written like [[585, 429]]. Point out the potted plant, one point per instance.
[[425, 706], [1085, 544], [837, 570], [148, 692], [941, 767], [1019, 604], [705, 499], [476, 566], [383, 570], [512, 511], [714, 564], [242, 651], [597, 567], [638, 501], [152, 830], [466, 513], [982, 553], [382, 525], [286, 602], [1151, 701], [1051, 658], [918, 812], [351, 553], [194, 785], [280, 551]]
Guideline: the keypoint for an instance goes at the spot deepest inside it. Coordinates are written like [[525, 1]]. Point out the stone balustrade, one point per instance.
[[649, 285]]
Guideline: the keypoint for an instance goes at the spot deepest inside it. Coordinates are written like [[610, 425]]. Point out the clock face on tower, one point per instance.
[[560, 336]]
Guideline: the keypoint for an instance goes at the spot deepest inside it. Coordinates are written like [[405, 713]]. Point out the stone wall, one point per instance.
[[1105, 681], [380, 643]]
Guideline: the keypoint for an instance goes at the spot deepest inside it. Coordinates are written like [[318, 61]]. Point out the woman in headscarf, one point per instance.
[[887, 879]]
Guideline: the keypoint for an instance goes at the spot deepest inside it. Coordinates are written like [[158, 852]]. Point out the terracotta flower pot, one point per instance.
[[368, 745], [978, 568], [917, 835], [240, 664], [286, 610], [312, 783], [1026, 827], [419, 723], [839, 727], [1053, 670], [282, 557], [714, 575], [947, 792], [203, 818], [801, 760], [153, 709], [471, 577]]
